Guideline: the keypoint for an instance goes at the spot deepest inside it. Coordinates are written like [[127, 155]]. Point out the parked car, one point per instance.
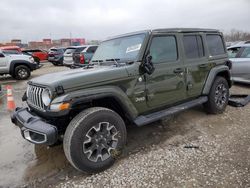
[[136, 78], [19, 66], [82, 58], [38, 55], [68, 54], [11, 49], [55, 56], [240, 57]]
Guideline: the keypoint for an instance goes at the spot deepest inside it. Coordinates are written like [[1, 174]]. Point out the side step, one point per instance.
[[146, 119]]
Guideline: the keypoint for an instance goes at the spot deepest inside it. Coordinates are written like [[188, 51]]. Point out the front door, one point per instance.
[[166, 85]]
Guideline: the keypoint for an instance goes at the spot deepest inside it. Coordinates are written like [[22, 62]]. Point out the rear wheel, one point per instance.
[[94, 138], [218, 96], [22, 72]]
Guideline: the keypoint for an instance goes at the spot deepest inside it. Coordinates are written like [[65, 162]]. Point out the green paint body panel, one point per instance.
[[137, 92]]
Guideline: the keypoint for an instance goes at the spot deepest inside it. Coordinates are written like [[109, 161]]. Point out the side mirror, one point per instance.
[[148, 66], [1, 55]]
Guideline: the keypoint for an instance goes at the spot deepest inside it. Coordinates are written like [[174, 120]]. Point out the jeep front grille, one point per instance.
[[34, 99]]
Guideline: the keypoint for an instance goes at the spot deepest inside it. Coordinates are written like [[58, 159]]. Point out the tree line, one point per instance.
[[237, 35]]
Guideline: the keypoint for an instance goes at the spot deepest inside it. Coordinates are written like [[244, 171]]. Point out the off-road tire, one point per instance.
[[22, 72], [73, 142], [213, 107]]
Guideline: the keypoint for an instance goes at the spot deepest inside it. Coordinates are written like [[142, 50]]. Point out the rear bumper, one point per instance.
[[33, 128]]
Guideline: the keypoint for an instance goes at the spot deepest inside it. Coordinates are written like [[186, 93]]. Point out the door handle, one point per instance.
[[203, 65], [178, 71]]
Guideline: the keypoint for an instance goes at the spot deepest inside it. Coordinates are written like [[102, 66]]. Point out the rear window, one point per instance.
[[70, 50], [215, 45], [80, 49]]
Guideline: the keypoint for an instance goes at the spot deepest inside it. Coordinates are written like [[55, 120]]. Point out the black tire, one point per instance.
[[81, 137], [218, 96], [55, 63], [22, 72]]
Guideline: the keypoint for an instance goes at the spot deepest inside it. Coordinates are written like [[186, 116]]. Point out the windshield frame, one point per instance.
[[142, 48]]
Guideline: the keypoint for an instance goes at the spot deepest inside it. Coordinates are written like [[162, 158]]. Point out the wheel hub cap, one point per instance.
[[99, 141]]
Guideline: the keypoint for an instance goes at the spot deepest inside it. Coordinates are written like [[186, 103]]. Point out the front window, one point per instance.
[[123, 48]]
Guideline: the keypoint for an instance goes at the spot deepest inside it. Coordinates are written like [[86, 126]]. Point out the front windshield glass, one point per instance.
[[123, 48]]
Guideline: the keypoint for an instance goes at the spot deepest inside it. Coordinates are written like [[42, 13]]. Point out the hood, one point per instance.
[[81, 77]]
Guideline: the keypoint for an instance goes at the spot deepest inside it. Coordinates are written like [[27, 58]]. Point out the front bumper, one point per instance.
[[34, 66], [33, 128]]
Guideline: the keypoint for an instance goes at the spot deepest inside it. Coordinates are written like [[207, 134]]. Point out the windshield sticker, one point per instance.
[[133, 48]]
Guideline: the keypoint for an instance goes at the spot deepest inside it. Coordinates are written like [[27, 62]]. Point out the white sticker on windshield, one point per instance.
[[133, 48]]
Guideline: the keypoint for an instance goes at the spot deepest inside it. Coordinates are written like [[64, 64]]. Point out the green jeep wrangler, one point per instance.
[[136, 78]]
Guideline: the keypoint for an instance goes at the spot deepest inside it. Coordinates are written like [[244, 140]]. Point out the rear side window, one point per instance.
[[163, 48], [215, 45], [246, 53], [193, 46]]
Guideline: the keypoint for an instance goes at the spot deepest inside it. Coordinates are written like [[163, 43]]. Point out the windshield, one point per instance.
[[124, 48]]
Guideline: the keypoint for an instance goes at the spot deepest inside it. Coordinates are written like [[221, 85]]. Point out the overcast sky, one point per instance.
[[98, 19]]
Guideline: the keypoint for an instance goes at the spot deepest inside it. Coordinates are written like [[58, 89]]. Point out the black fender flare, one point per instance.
[[218, 70]]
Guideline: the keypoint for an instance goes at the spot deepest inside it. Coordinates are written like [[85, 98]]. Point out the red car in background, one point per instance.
[[38, 55]]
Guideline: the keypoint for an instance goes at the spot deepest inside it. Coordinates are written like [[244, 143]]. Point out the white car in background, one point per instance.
[[19, 66]]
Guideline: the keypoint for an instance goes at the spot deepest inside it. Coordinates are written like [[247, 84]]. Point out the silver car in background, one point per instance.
[[68, 54], [240, 57]]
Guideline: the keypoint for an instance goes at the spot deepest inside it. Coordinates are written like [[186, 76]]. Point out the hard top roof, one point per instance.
[[167, 30], [185, 30]]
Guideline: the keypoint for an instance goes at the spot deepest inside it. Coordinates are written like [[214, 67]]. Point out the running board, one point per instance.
[[146, 119]]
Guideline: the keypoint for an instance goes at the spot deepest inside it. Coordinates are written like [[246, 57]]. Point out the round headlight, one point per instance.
[[46, 97]]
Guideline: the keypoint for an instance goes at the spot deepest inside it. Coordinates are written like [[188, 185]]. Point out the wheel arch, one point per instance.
[[222, 71], [16, 63], [109, 97]]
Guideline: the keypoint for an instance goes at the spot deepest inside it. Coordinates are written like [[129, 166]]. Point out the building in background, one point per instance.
[[16, 41], [78, 41], [47, 41]]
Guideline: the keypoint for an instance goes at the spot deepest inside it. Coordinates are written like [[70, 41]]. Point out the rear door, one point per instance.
[[196, 63], [166, 85]]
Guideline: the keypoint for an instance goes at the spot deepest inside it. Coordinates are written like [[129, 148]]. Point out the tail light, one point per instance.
[[82, 59]]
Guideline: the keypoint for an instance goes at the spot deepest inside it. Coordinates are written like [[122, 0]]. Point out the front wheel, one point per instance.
[[218, 96], [22, 72], [94, 138]]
